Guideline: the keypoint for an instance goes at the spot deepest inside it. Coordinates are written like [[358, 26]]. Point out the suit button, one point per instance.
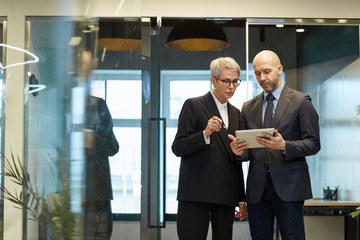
[[212, 145], [214, 165]]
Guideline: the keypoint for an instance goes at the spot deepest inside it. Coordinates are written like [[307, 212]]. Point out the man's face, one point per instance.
[[221, 92], [267, 74]]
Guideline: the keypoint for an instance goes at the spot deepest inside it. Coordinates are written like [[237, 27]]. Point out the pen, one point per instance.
[[222, 122]]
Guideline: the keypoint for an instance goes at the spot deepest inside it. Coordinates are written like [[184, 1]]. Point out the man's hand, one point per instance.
[[242, 212], [236, 146], [273, 142], [214, 125]]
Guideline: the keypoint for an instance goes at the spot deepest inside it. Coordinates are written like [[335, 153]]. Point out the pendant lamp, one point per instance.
[[119, 36], [197, 35]]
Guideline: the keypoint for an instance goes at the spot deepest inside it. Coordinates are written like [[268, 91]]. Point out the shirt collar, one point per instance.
[[276, 93], [218, 103]]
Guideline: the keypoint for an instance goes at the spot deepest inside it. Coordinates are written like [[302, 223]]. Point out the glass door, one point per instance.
[[123, 77], [185, 74]]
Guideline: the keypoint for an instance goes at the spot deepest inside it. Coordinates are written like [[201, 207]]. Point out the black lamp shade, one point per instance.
[[197, 35], [119, 36]]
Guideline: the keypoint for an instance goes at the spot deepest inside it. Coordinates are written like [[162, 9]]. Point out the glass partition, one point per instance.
[[323, 61], [2, 111], [87, 122], [55, 124]]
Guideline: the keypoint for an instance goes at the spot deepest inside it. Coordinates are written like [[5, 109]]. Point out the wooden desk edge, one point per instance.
[[329, 203]]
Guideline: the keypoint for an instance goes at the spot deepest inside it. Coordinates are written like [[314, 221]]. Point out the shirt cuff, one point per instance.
[[207, 139]]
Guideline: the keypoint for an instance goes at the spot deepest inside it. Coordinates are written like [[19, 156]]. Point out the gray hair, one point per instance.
[[219, 64]]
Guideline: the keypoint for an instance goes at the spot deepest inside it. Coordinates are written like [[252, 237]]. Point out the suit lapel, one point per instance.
[[282, 105], [212, 110], [210, 106], [232, 119], [234, 123], [258, 110]]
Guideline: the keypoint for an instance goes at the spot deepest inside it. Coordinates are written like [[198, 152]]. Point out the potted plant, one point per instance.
[[52, 212], [356, 212]]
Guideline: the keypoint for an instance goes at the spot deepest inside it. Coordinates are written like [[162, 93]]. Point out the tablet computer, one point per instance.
[[250, 136]]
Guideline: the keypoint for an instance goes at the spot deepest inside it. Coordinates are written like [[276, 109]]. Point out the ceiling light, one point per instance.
[[300, 29], [342, 20], [279, 25], [197, 35], [119, 36], [320, 20]]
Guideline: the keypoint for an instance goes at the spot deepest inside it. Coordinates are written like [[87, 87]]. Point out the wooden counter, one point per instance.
[[329, 203]]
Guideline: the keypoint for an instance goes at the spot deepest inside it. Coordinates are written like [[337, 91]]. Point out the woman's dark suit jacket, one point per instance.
[[208, 173]]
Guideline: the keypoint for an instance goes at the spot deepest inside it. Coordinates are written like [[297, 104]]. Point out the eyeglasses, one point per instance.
[[227, 82]]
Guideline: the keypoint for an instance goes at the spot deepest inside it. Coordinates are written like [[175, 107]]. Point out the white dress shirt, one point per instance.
[[222, 107]]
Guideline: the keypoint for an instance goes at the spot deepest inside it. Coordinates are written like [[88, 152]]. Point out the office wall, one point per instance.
[[261, 8], [186, 8]]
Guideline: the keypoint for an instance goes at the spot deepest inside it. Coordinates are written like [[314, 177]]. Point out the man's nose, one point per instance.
[[262, 76]]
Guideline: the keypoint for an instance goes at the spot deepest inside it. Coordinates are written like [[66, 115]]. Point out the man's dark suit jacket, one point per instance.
[[296, 120], [208, 173]]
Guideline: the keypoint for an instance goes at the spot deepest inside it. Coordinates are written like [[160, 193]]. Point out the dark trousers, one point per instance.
[[193, 221], [289, 215], [98, 220]]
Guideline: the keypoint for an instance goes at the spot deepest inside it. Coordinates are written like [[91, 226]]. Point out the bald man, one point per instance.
[[278, 180]]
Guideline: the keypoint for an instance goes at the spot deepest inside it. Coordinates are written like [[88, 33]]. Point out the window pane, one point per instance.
[[124, 98], [180, 91], [172, 172], [125, 171]]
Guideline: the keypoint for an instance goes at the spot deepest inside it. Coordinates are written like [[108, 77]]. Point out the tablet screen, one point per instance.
[[251, 134]]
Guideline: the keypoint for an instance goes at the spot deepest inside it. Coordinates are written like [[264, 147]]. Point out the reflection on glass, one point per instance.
[[34, 60], [100, 143], [54, 120], [97, 88], [123, 96]]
